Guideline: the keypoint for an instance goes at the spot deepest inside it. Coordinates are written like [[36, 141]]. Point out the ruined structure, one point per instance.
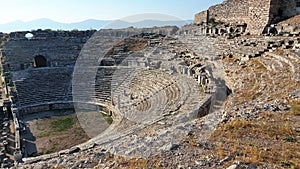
[[39, 72], [166, 89], [256, 15], [176, 134]]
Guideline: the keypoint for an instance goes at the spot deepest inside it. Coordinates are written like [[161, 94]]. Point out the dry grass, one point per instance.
[[138, 163], [227, 71], [257, 65], [259, 141], [131, 44], [273, 139], [237, 124], [295, 108], [294, 21], [220, 150]]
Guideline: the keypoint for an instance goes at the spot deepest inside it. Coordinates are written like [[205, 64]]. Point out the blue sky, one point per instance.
[[77, 10]]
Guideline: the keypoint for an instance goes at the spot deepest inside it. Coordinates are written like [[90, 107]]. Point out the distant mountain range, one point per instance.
[[84, 25]]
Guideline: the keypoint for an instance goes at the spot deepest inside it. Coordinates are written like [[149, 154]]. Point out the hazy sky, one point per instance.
[[77, 10]]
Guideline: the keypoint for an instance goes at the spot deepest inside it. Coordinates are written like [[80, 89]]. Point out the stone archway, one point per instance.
[[39, 61]]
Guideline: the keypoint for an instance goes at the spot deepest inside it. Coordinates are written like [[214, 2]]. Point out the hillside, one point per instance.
[[84, 25]]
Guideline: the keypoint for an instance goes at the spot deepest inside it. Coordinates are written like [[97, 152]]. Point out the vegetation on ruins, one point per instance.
[[107, 117], [209, 95], [295, 108], [56, 126]]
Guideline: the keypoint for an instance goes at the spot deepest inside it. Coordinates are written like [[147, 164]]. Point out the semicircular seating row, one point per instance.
[[148, 94], [43, 85], [36, 86]]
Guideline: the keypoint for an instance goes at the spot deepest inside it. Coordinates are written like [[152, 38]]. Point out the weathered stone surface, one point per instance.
[[256, 14], [74, 150], [178, 122]]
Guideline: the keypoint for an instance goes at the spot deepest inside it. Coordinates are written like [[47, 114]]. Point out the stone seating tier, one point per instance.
[[44, 85]]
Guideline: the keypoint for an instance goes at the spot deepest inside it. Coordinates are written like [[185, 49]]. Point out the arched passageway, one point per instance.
[[39, 61]]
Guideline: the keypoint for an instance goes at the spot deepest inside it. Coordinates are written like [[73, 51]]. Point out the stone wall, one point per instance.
[[265, 12], [230, 11], [40, 34], [201, 17], [257, 14], [282, 9], [31, 110], [59, 48], [298, 6]]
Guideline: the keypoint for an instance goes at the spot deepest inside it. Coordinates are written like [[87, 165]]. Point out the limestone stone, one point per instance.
[[256, 14]]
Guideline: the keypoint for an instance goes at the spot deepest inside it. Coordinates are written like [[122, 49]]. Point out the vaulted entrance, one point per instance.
[[39, 61]]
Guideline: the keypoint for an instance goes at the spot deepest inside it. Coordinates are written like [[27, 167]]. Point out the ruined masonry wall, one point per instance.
[[287, 7], [257, 14], [59, 53], [201, 17], [59, 48], [265, 12], [230, 11]]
